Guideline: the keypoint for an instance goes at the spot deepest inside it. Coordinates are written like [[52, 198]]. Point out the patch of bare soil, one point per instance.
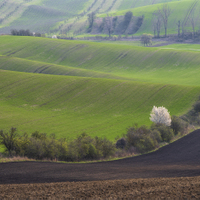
[[153, 188], [107, 179]]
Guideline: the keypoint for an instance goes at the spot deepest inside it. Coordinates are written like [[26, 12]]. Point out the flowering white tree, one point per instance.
[[160, 115]]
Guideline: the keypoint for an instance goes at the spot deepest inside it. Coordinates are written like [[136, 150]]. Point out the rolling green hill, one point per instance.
[[127, 82], [68, 106], [127, 4], [179, 10], [158, 65], [37, 15], [70, 16]]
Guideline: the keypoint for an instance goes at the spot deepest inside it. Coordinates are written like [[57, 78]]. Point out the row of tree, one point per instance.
[[23, 32], [161, 19], [117, 25]]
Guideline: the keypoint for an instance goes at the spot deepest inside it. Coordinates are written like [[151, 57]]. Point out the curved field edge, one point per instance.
[[159, 65], [30, 66], [68, 106]]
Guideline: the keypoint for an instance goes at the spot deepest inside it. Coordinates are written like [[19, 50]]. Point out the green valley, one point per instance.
[[70, 87]]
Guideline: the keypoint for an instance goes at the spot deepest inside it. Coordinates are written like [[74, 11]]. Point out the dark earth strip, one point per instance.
[[178, 159]]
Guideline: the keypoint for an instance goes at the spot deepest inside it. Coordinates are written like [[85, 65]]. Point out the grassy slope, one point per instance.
[[23, 65], [139, 8], [40, 15], [183, 47], [129, 4], [179, 9], [45, 15], [70, 105], [168, 66]]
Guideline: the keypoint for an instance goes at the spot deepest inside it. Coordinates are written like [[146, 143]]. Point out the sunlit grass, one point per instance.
[[127, 82], [68, 106]]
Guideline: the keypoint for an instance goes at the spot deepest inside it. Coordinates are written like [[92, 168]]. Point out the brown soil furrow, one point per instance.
[[160, 188]]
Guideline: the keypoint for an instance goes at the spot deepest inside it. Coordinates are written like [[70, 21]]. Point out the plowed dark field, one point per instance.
[[107, 179]]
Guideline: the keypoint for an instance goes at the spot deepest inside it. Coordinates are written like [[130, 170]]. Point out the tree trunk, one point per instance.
[[179, 28]]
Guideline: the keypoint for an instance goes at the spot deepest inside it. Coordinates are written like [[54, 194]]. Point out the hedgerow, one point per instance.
[[39, 146]]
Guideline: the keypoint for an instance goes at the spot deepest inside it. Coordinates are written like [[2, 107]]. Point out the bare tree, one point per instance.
[[190, 10], [164, 13], [192, 18], [109, 24], [179, 28], [157, 23]]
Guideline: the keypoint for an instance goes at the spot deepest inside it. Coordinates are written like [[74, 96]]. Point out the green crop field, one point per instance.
[[183, 47], [97, 88], [156, 64], [68, 106]]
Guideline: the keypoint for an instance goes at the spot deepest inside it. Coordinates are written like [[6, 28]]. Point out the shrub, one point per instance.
[[108, 148], [82, 148], [146, 144], [178, 125], [121, 143], [146, 39], [86, 148], [156, 135], [35, 149], [196, 106], [193, 115], [141, 138], [9, 140], [165, 131], [38, 34]]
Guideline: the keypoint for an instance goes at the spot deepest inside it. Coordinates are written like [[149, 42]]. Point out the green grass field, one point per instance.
[[183, 47], [68, 106], [129, 4], [158, 65], [104, 88]]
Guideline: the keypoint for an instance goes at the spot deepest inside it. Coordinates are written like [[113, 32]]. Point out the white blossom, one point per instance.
[[160, 115], [54, 37]]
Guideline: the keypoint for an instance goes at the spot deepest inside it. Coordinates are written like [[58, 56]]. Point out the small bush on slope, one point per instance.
[[178, 125], [165, 131], [193, 115], [144, 139], [141, 138]]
